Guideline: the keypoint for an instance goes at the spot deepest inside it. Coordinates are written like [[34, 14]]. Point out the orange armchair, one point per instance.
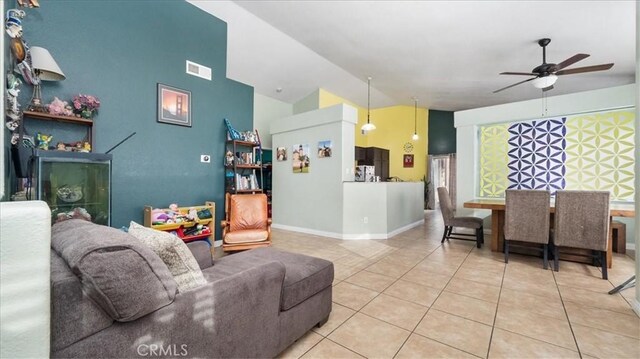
[[246, 224]]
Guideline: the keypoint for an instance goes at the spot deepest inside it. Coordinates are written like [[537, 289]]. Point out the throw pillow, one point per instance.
[[174, 253]]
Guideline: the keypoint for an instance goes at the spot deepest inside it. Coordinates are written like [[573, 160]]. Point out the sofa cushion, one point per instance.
[[305, 276], [174, 253], [124, 277]]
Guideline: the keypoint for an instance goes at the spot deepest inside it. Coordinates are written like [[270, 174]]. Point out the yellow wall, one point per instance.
[[394, 128]]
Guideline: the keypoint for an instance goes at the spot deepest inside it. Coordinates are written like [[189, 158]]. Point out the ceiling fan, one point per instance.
[[547, 74]]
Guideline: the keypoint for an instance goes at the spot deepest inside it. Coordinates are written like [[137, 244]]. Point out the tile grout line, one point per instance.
[[495, 316], [434, 301], [566, 313]]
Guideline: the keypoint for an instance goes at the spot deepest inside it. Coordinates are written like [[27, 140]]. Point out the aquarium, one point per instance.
[[74, 185]]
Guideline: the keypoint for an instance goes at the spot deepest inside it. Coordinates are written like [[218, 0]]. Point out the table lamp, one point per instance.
[[44, 68]]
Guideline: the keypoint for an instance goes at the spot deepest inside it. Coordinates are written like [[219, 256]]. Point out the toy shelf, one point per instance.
[[209, 222], [174, 226]]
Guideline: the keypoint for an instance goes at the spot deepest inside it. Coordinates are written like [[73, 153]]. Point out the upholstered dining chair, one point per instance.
[[527, 220], [246, 224], [450, 221], [582, 221]]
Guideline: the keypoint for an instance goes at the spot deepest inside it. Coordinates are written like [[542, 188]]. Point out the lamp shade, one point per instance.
[[42, 61], [546, 81], [368, 127]]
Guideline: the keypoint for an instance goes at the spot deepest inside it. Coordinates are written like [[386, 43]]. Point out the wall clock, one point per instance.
[[408, 147]]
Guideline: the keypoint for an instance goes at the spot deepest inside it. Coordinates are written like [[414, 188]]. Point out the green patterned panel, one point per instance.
[[493, 160], [600, 153]]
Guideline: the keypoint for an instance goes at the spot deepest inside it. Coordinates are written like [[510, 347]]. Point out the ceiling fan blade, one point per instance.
[[547, 88], [516, 84], [579, 70], [519, 73], [570, 61]]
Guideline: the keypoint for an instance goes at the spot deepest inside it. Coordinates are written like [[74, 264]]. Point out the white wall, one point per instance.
[[265, 111], [309, 103], [380, 210], [313, 201]]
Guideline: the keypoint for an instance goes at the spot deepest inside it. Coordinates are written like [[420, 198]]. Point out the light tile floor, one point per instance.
[[411, 297]]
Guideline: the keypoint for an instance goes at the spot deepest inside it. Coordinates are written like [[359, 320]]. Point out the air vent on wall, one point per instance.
[[199, 70]]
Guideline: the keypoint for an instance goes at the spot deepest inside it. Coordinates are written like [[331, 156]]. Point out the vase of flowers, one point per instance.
[[85, 105]]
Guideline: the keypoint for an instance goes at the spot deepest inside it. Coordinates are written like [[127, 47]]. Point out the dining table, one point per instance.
[[497, 207]]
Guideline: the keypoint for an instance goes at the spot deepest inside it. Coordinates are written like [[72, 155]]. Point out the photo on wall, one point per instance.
[[174, 105], [324, 149], [281, 154], [300, 158]]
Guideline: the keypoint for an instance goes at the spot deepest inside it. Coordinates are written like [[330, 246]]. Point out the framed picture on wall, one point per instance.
[[174, 105], [300, 158], [324, 149], [407, 161], [281, 153]]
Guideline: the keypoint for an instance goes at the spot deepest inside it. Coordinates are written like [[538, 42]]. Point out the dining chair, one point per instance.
[[582, 221], [450, 221], [527, 220]]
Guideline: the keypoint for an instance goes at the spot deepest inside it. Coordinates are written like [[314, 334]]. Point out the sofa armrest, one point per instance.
[[202, 253]]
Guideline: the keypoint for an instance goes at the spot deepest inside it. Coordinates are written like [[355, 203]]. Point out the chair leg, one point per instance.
[[506, 251], [603, 261], [556, 254], [479, 237], [545, 257], [444, 235]]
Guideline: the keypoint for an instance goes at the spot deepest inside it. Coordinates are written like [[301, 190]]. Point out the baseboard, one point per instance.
[[307, 231], [405, 228], [349, 236]]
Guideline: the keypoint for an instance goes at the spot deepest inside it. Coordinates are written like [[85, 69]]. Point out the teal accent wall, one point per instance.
[[442, 133], [119, 51]]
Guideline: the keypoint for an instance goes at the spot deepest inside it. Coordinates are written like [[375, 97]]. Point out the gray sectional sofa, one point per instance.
[[113, 297]]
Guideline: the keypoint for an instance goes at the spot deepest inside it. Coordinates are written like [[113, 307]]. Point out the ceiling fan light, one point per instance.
[[546, 81]]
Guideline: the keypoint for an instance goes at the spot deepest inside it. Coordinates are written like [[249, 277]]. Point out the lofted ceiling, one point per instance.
[[446, 53]]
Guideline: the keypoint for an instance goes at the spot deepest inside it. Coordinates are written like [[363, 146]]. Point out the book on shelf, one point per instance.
[[246, 182]]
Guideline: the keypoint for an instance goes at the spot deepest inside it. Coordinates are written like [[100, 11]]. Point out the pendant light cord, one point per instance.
[[415, 117], [368, 97]]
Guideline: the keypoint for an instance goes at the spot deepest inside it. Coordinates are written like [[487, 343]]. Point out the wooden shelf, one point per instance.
[[255, 167], [244, 143], [172, 226], [249, 190], [67, 119]]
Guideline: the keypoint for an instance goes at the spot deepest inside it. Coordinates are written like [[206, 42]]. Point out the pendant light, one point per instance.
[[368, 126], [415, 136]]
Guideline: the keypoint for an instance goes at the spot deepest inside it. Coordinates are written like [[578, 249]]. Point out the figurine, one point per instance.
[[60, 146], [228, 158], [86, 147], [43, 140]]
